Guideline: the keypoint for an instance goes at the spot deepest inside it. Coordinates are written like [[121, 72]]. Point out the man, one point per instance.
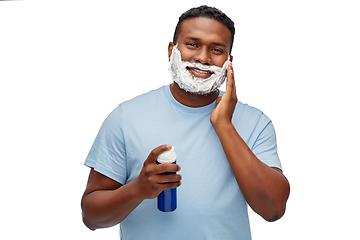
[[226, 149]]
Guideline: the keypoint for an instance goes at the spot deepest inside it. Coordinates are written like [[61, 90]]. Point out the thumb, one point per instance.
[[218, 99], [156, 152]]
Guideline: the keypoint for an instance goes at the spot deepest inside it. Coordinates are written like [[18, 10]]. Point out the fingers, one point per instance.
[[166, 175], [155, 178], [160, 182], [230, 83], [159, 187], [169, 185], [168, 178], [163, 168], [152, 184], [167, 167]]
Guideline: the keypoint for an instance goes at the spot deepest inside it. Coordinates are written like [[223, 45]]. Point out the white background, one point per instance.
[[65, 65]]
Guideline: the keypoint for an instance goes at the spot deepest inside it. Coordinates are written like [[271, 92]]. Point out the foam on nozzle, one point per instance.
[[167, 156]]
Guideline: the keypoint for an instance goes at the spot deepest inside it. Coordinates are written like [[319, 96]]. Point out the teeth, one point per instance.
[[201, 71]]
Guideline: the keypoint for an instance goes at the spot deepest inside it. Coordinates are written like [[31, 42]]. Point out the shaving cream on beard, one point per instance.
[[180, 74]]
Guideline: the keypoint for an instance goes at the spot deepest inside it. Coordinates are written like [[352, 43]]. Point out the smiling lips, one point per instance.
[[196, 72]]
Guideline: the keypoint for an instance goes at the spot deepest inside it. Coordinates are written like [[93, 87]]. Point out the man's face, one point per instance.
[[205, 41]]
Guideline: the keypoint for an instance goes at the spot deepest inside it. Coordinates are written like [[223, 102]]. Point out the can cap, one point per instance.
[[168, 156]]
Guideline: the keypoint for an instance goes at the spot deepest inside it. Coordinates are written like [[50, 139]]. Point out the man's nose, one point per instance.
[[203, 56]]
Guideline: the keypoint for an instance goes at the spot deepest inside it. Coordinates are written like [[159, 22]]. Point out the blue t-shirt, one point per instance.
[[210, 203]]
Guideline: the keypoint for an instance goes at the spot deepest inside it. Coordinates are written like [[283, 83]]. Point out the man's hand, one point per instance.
[[265, 189], [225, 105], [106, 202], [152, 181]]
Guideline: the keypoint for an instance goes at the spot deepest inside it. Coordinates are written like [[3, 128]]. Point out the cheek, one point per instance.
[[186, 56], [219, 61]]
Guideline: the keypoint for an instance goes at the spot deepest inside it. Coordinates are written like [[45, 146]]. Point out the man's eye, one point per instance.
[[192, 45], [217, 50]]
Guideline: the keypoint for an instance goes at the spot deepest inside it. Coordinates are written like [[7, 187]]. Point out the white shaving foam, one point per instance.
[[180, 74]]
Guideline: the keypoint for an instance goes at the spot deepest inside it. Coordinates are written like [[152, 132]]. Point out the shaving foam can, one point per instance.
[[167, 199]]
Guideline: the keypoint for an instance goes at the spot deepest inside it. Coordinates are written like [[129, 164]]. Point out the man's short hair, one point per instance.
[[209, 12]]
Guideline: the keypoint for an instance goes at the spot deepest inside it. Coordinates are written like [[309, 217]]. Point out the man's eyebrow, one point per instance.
[[213, 43], [193, 38], [219, 44]]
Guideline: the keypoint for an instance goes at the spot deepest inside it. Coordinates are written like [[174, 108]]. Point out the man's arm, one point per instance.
[[106, 202], [265, 189]]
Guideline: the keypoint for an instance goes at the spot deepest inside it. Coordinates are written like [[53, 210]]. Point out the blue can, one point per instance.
[[167, 199]]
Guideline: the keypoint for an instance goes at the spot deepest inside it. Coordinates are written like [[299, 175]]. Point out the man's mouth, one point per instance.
[[199, 73]]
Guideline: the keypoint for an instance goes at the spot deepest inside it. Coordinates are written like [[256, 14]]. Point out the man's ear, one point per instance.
[[231, 58], [170, 48]]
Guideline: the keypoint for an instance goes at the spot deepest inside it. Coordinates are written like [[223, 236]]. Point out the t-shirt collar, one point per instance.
[[193, 110]]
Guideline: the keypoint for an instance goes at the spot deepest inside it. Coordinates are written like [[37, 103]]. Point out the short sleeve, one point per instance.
[[265, 146], [107, 154]]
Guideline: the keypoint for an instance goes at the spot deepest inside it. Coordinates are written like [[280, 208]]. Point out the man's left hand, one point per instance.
[[225, 105]]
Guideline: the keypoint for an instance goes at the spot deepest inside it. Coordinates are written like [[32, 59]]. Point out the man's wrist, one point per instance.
[[222, 126]]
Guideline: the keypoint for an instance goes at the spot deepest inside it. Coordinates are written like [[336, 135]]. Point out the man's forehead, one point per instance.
[[204, 29]]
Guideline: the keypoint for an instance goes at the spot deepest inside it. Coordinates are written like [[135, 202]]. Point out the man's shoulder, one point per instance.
[[145, 100], [249, 117], [247, 111], [147, 97]]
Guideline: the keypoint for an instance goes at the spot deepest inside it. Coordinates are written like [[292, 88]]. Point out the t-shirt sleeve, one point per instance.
[[265, 146], [107, 154]]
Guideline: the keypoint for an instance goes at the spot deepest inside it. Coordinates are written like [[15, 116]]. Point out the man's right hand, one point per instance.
[[151, 180], [106, 202]]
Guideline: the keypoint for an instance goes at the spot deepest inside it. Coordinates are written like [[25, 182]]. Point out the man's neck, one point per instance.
[[191, 99]]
